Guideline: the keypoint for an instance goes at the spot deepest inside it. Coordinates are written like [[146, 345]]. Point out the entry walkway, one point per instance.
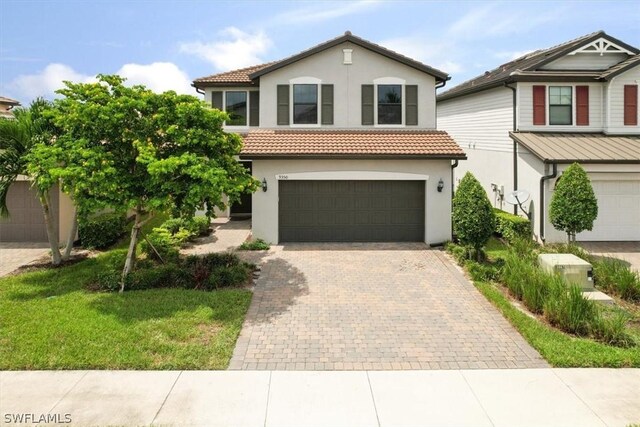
[[505, 397]]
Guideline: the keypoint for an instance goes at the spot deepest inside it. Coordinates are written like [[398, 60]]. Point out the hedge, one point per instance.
[[101, 231], [512, 226]]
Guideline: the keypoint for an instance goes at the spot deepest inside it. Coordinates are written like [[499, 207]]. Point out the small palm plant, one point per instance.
[[18, 138]]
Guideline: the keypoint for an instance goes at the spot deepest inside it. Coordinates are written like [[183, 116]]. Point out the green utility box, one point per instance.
[[573, 269]]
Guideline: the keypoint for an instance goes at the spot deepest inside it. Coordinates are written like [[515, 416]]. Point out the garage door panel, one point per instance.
[[351, 211], [26, 220], [618, 211]]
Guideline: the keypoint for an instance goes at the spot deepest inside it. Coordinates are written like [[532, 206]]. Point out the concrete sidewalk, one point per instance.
[[519, 397]]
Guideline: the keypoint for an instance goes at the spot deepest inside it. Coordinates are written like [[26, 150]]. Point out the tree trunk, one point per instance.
[[72, 236], [51, 223], [131, 254]]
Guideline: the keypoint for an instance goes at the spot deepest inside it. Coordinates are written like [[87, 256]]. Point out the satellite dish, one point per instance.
[[517, 197]]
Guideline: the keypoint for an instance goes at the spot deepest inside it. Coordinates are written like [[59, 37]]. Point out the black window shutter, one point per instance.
[[367, 105], [411, 108], [254, 108], [327, 104], [283, 105], [216, 99]]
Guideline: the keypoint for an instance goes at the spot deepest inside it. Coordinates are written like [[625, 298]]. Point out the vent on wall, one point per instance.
[[347, 57]]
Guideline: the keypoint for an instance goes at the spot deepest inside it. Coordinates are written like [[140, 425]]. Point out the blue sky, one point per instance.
[[165, 44]]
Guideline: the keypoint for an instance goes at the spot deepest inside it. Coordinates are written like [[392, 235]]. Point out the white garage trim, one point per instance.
[[352, 176]]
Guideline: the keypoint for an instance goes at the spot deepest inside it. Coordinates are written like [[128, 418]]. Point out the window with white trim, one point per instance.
[[560, 105], [236, 108], [389, 104], [305, 104]]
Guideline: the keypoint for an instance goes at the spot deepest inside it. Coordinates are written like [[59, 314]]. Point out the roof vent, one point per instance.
[[347, 57], [347, 33]]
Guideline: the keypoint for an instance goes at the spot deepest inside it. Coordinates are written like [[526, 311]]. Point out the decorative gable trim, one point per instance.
[[601, 46]]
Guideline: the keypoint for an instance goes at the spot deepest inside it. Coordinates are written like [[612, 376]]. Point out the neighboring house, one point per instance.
[[524, 122], [6, 104], [343, 138], [26, 219]]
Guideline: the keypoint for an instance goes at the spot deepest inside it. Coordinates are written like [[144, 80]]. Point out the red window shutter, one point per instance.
[[582, 105], [539, 105], [631, 105]]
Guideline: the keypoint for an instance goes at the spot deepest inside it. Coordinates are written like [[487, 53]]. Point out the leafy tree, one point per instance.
[[574, 206], [128, 148], [473, 216], [19, 137]]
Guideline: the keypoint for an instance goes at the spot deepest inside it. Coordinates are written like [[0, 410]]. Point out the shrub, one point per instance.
[[612, 329], [195, 226], [573, 206], [225, 276], [108, 280], [473, 217], [568, 310], [163, 276], [164, 243], [512, 227], [483, 272], [101, 231], [255, 245], [614, 275]]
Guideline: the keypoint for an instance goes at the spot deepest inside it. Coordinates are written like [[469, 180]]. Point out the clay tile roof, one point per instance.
[[350, 143], [5, 100], [240, 76]]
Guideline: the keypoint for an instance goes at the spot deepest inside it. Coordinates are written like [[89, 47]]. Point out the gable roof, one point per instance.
[[526, 66], [623, 66], [248, 76], [288, 143]]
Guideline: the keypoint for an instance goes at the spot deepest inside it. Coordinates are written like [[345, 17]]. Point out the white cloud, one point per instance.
[[511, 55], [323, 12], [235, 49], [46, 82], [158, 76], [434, 53]]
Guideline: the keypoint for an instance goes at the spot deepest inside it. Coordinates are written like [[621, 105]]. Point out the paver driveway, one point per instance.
[[14, 255], [372, 306]]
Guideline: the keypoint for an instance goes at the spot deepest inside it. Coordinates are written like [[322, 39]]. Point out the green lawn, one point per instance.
[[558, 348], [48, 320]]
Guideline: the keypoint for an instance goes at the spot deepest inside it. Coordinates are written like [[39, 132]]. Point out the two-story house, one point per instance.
[[342, 137], [522, 123]]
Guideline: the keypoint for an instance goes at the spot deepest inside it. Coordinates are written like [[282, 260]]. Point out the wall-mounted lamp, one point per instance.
[[264, 184], [440, 185]]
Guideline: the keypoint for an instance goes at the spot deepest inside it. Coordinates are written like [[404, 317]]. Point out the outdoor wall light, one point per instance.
[[264, 184], [440, 185]]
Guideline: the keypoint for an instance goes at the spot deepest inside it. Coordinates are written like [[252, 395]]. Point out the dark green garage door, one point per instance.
[[351, 211]]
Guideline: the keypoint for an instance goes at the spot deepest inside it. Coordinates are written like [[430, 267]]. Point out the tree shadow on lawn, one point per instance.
[[54, 282], [222, 305]]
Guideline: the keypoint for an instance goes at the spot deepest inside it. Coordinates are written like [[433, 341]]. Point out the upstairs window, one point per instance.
[[389, 104], [305, 104], [560, 105], [236, 107]]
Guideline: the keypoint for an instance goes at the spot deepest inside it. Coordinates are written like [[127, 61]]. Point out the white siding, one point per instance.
[[480, 123], [586, 61], [615, 91], [327, 68], [596, 108]]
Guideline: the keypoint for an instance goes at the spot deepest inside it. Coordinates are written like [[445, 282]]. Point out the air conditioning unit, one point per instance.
[[573, 269]]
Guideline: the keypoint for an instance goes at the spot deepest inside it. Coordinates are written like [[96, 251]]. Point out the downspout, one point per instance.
[[453, 166], [435, 112], [515, 145], [554, 173]]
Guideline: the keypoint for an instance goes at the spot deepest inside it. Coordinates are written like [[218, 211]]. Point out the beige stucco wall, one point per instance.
[[437, 207], [327, 68]]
